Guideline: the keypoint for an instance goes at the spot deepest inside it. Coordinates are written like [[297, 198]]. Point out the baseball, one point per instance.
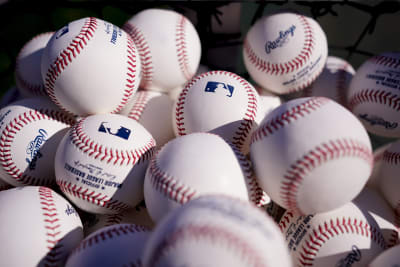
[[28, 76], [138, 215], [38, 223], [373, 95], [285, 52], [216, 230], [101, 161], [30, 131], [311, 155], [90, 66], [389, 257], [153, 110], [268, 102], [116, 245], [219, 102], [169, 48], [347, 236], [190, 166], [333, 82], [389, 182]]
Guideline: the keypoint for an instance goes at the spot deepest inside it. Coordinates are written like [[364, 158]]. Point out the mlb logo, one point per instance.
[[213, 86], [62, 31], [121, 132]]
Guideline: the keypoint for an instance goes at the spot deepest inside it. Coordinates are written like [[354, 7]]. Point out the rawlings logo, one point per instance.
[[352, 257], [374, 120], [282, 39], [62, 31], [70, 210], [33, 148]]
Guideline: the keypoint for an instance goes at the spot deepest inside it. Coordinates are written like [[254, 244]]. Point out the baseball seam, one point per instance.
[[35, 89], [112, 156], [65, 57], [213, 234], [385, 61], [256, 194], [140, 103], [112, 219], [375, 96], [168, 185], [181, 48], [342, 84], [7, 139], [105, 235], [317, 156], [91, 196], [391, 157], [52, 226], [295, 113], [285, 67], [144, 54], [247, 122]]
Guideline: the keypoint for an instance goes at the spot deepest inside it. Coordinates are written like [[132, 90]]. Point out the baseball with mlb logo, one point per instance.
[[101, 162], [219, 102]]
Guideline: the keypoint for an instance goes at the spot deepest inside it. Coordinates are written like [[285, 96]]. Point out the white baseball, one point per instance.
[[100, 163], [311, 155], [169, 48], [220, 102], [389, 258], [138, 215], [216, 230], [371, 201], [39, 227], [346, 236], [116, 245], [373, 95], [28, 76], [333, 82], [190, 166], [90, 66], [30, 131], [285, 52], [11, 95], [389, 182], [153, 110]]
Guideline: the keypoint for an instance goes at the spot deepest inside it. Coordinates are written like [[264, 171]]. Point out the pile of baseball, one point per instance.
[[117, 148]]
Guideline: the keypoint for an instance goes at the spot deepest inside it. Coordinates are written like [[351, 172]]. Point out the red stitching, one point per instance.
[[386, 61], [112, 156], [391, 157], [140, 102], [375, 96], [74, 48], [323, 232], [52, 227], [247, 123], [92, 196], [144, 53], [256, 194], [285, 67], [7, 140], [131, 74], [325, 152], [112, 219], [342, 83], [301, 110], [287, 216], [105, 235], [213, 234], [35, 89], [168, 185], [181, 48]]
